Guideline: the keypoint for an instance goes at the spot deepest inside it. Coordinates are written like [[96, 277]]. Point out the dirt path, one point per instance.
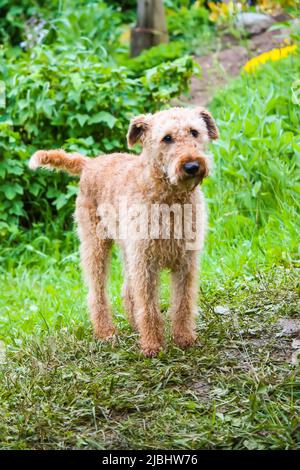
[[219, 67]]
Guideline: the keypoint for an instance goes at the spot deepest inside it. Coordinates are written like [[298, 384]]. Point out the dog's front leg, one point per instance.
[[144, 280], [184, 302], [94, 259]]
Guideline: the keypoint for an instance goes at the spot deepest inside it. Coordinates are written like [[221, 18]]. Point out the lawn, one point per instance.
[[60, 388], [239, 386]]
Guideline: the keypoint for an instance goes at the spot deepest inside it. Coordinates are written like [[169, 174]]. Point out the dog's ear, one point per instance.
[[212, 129], [137, 129]]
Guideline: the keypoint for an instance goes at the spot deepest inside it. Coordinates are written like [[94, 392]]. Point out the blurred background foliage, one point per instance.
[[68, 83]]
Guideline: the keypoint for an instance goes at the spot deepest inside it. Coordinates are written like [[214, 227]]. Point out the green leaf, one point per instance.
[[61, 201], [35, 188], [11, 191], [81, 118], [104, 117]]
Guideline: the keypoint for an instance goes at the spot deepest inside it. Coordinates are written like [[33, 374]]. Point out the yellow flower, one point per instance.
[[125, 36], [218, 10], [274, 55], [275, 6], [269, 6]]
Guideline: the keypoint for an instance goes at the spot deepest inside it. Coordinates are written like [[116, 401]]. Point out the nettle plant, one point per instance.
[[75, 100], [28, 22]]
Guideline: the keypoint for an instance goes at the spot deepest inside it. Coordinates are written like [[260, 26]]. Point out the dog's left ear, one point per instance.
[[212, 129], [137, 129]]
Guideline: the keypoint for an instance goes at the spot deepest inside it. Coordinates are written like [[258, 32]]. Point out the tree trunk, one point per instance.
[[151, 28]]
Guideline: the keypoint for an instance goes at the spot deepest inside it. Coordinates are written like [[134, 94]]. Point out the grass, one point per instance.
[[59, 388], [237, 387]]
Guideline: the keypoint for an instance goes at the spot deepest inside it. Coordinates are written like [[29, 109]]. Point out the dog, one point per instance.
[[167, 174]]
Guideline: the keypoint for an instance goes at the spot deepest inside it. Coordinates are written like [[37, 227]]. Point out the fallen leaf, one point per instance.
[[222, 310], [295, 357], [289, 326], [2, 352], [296, 343], [202, 390]]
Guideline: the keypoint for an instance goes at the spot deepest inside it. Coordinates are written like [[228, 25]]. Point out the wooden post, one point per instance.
[[151, 27]]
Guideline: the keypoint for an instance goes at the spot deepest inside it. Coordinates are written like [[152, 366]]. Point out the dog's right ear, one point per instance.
[[137, 129]]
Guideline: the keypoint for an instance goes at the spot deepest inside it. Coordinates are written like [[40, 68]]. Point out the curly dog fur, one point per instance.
[[173, 144]]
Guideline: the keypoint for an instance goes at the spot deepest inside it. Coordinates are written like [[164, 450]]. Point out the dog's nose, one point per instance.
[[191, 168]]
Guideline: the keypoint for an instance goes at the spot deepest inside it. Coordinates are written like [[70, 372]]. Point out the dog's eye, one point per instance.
[[168, 139], [194, 133]]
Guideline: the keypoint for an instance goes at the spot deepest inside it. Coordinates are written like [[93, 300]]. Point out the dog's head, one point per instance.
[[174, 142]]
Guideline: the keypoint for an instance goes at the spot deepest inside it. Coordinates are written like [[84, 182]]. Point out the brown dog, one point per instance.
[[161, 185]]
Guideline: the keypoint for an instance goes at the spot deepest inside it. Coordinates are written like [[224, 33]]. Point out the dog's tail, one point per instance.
[[72, 163]]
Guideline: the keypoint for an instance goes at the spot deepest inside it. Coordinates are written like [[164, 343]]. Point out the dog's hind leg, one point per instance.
[[94, 252], [128, 302], [127, 295], [184, 302]]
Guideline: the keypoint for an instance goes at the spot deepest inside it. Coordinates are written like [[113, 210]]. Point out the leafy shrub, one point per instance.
[[71, 21], [125, 4], [191, 24], [13, 15], [93, 23], [74, 100], [156, 55], [187, 23]]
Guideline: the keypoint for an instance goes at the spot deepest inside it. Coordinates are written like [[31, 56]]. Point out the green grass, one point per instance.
[[254, 194], [59, 388], [237, 387]]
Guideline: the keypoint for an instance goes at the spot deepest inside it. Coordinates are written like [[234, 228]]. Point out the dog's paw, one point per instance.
[[105, 334], [185, 340], [151, 350]]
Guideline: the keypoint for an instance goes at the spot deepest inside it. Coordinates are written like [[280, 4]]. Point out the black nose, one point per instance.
[[191, 168]]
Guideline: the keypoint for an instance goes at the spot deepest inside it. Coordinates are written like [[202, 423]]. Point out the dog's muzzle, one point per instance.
[[190, 167]]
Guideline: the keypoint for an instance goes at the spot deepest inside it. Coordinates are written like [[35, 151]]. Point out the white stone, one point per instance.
[[222, 310], [296, 344], [253, 23], [2, 352]]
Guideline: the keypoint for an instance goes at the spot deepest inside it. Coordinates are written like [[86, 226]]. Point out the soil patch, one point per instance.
[[219, 67]]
